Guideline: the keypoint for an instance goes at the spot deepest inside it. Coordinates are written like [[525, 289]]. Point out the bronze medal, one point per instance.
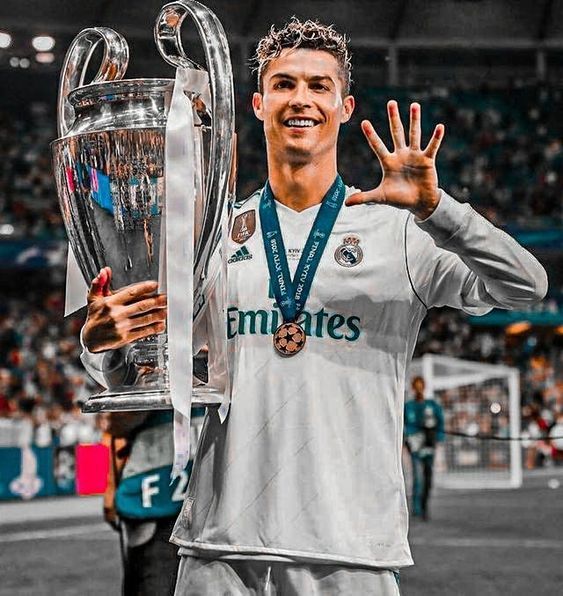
[[289, 339]]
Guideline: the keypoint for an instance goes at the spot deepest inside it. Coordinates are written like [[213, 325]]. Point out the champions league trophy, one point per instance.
[[144, 176]]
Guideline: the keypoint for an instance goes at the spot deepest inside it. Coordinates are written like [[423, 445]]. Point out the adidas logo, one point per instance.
[[242, 254]]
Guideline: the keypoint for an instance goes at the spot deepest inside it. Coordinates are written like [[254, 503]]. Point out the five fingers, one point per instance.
[[374, 140], [124, 316], [158, 302], [375, 195], [144, 332], [149, 319], [435, 142], [131, 294], [100, 284], [398, 133], [100, 287], [395, 125], [414, 129]]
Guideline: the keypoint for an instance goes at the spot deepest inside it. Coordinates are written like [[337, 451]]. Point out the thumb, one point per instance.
[[100, 284], [376, 195]]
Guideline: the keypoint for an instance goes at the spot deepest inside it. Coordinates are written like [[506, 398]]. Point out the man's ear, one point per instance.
[[257, 105], [348, 105]]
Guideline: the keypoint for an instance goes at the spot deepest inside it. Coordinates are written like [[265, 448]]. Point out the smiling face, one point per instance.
[[302, 106]]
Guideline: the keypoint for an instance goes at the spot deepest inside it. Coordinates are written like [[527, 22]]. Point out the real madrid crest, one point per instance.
[[349, 253], [244, 226]]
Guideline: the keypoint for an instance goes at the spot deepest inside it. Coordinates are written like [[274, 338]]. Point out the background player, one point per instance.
[[424, 428], [139, 501]]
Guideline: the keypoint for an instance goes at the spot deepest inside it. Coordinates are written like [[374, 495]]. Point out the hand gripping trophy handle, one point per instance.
[[167, 37]]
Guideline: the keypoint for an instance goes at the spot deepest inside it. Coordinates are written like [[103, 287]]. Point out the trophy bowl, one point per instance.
[[110, 169]]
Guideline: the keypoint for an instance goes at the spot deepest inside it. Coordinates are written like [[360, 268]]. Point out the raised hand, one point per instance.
[[118, 318], [410, 180]]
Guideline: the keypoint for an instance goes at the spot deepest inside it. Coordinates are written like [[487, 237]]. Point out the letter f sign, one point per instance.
[[148, 490]]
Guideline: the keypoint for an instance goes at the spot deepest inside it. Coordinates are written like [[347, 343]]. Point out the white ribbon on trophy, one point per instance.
[[181, 194]]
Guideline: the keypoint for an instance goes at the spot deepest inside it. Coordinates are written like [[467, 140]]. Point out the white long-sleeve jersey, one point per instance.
[[307, 466]]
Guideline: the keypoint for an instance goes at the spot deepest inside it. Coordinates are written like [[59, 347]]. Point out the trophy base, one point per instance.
[[128, 401]]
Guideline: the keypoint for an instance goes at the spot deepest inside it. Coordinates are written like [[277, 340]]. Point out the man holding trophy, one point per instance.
[[300, 489]]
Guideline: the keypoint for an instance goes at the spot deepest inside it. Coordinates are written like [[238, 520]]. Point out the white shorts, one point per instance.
[[248, 577]]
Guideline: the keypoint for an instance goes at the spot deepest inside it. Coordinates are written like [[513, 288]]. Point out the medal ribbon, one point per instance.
[[291, 296]]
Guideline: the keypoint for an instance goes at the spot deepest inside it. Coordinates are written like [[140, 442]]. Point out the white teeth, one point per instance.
[[300, 123]]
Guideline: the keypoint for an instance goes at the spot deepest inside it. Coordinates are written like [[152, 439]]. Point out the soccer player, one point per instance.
[[300, 490], [134, 503], [140, 501], [424, 428]]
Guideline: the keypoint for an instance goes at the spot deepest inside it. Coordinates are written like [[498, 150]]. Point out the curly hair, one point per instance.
[[306, 35]]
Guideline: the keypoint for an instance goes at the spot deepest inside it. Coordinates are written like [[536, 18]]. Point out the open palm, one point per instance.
[[410, 180]]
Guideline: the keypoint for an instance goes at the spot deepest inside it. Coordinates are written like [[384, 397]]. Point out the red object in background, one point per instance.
[[7, 406], [15, 357], [92, 467]]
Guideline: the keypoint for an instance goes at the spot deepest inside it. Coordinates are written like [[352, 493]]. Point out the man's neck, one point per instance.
[[301, 186]]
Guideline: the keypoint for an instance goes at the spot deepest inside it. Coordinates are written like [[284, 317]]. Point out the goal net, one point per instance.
[[479, 400]]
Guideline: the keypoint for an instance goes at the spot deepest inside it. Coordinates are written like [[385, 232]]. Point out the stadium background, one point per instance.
[[492, 71]]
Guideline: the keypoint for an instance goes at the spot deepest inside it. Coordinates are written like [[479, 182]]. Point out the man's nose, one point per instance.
[[300, 97]]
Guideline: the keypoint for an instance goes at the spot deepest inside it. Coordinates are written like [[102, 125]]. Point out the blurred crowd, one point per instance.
[[41, 378], [503, 153], [542, 412], [535, 351], [28, 201]]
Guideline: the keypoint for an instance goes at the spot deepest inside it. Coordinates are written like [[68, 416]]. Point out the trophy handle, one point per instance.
[[114, 65], [214, 40]]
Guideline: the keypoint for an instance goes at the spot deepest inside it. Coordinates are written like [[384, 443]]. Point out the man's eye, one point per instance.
[[282, 85], [319, 87]]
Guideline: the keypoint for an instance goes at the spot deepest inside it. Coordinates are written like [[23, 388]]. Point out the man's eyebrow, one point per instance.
[[322, 78], [282, 75], [316, 78]]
